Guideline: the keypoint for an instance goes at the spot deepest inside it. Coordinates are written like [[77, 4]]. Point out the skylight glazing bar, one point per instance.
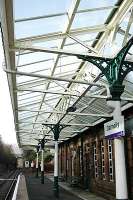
[[40, 17], [96, 9], [49, 92], [53, 78], [43, 123], [69, 113], [63, 13], [60, 35]]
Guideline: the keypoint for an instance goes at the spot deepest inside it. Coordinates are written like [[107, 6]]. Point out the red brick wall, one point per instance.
[[102, 184]]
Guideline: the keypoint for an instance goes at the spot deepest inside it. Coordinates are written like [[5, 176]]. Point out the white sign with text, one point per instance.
[[115, 128]]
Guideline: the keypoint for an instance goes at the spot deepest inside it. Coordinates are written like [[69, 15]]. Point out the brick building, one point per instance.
[[87, 160]]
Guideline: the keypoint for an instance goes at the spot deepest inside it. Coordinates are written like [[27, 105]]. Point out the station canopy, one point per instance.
[[41, 41]]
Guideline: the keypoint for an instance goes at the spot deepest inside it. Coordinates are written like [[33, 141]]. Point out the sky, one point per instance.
[[7, 129]]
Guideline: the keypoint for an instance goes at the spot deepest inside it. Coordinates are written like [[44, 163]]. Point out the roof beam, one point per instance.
[[54, 78], [47, 92], [62, 35], [7, 28], [63, 93], [48, 50], [29, 130], [46, 123], [69, 113], [128, 28], [125, 6]]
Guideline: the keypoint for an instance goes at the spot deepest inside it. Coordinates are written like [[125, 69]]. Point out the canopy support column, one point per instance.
[[37, 161], [42, 161]]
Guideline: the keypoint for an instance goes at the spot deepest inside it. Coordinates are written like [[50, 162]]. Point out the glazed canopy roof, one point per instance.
[[41, 40]]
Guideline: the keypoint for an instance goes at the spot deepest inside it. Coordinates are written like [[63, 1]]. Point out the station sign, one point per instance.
[[114, 128]]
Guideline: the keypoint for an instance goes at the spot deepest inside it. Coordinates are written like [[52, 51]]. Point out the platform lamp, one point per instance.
[[56, 129]]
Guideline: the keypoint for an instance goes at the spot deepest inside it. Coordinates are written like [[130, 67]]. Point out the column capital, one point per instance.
[[114, 69]]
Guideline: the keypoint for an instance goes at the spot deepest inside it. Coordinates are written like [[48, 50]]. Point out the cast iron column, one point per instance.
[[115, 70], [42, 161], [37, 161], [120, 166], [56, 131]]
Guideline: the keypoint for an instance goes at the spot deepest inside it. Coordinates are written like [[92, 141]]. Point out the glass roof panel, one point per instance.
[[64, 26], [33, 57], [23, 8], [40, 26], [93, 4], [24, 79], [29, 96], [90, 19]]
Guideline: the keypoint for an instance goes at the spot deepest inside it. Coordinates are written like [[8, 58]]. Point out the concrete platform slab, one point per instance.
[[22, 189]]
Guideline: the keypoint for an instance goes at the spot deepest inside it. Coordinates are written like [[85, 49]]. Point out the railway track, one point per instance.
[[7, 184]]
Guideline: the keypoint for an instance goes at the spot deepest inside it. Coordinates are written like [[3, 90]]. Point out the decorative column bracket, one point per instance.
[[56, 129], [115, 70]]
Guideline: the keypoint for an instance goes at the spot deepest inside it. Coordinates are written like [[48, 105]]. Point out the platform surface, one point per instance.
[[22, 190], [38, 191]]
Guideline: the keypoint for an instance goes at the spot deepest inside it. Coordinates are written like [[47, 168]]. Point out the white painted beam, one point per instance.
[[62, 35], [69, 113], [53, 78], [128, 28], [48, 50], [46, 123], [46, 91]]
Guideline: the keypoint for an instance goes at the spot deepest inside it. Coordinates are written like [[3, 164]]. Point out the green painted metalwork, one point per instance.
[[56, 186], [115, 70], [56, 129], [42, 143]]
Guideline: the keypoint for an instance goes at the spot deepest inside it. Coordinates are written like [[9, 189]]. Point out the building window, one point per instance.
[[86, 148], [103, 160], [110, 156], [95, 161]]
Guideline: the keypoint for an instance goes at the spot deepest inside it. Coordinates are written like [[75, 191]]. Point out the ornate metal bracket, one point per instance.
[[115, 70], [56, 129], [37, 148]]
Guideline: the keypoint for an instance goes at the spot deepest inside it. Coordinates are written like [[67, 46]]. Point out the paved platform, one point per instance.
[[82, 194], [22, 189], [30, 188], [38, 191]]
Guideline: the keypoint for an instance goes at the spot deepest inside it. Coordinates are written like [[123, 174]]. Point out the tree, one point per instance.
[[48, 158], [7, 157], [30, 155]]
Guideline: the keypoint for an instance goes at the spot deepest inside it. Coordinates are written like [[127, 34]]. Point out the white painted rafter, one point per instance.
[[61, 35]]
